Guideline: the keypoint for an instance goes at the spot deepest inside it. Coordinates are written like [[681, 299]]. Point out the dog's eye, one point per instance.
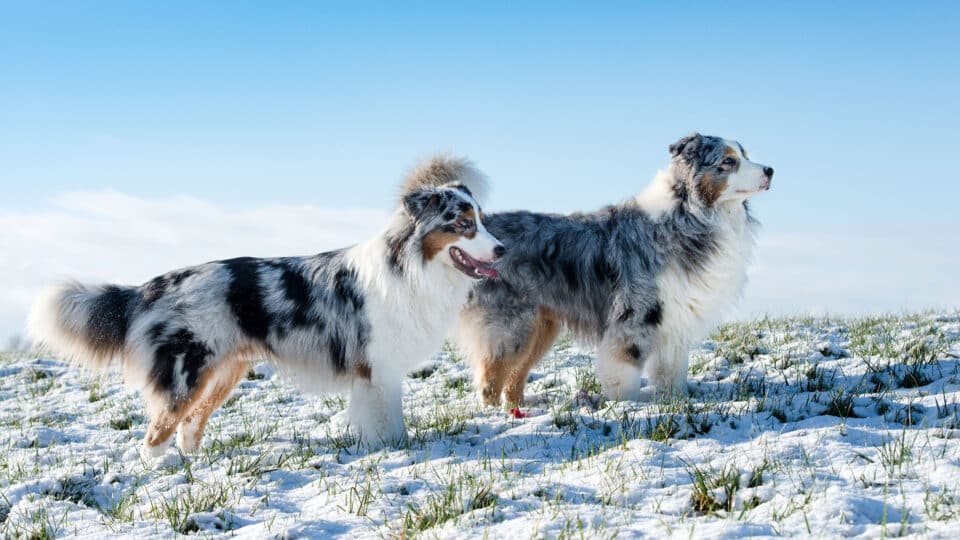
[[465, 223], [728, 162]]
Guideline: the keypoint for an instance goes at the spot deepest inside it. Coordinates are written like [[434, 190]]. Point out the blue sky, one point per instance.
[[567, 106]]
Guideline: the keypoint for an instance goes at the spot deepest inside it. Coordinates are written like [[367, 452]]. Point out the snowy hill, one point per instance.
[[793, 427]]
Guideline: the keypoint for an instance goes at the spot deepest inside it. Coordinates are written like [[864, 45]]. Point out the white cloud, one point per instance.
[[111, 237], [855, 271]]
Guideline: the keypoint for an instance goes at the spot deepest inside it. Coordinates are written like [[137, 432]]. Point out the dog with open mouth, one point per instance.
[[356, 319]]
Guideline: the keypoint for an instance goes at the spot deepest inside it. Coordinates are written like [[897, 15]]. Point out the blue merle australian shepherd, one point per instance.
[[356, 319], [643, 280]]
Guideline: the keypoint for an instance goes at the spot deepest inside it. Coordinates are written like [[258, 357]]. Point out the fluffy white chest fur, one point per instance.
[[410, 316], [694, 302]]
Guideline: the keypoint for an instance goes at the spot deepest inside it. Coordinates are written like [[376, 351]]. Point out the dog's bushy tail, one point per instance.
[[445, 169], [87, 324]]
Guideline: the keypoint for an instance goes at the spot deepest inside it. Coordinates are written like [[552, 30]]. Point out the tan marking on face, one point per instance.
[[437, 240], [709, 189], [731, 152]]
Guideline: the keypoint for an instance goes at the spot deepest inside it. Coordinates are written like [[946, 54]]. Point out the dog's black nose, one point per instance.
[[498, 251], [768, 171]]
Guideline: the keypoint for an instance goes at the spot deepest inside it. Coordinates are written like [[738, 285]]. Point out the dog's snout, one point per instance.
[[768, 171], [499, 251]]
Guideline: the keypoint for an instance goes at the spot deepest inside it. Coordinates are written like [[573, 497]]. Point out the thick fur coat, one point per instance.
[[355, 319], [643, 280]]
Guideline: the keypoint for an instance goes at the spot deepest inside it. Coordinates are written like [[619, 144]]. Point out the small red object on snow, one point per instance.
[[517, 413]]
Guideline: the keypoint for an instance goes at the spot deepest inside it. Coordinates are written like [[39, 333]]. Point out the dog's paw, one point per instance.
[[489, 396], [633, 390], [187, 442], [373, 440], [150, 453]]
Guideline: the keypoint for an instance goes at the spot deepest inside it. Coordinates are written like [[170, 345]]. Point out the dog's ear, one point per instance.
[[686, 145], [419, 201]]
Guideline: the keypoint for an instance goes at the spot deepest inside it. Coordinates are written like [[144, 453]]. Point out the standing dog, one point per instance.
[[644, 279], [357, 318]]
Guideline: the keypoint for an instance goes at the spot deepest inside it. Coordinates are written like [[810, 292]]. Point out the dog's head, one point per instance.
[[440, 198], [713, 171], [449, 229]]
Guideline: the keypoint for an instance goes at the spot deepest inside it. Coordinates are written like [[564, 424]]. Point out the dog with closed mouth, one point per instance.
[[642, 280], [355, 319]]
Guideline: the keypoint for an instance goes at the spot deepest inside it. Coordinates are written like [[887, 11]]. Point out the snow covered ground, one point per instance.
[[806, 427]]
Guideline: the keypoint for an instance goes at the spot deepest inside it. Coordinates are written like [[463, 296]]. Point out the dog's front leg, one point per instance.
[[375, 410], [668, 368]]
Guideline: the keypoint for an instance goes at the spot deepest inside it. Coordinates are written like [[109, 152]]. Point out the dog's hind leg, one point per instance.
[[626, 349], [494, 339], [489, 377], [166, 413], [178, 366], [544, 333], [193, 424]]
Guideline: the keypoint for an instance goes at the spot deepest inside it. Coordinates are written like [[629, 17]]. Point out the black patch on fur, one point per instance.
[[687, 145], [627, 313], [297, 290], [681, 192], [157, 287], [569, 270], [395, 246], [634, 351], [154, 289], [464, 206], [463, 188], [694, 242], [418, 203], [183, 343], [110, 318], [654, 315], [338, 353], [602, 270], [156, 331], [345, 288], [246, 299], [448, 216], [177, 277]]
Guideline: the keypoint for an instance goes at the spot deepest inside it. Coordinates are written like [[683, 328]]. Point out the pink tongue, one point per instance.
[[487, 271]]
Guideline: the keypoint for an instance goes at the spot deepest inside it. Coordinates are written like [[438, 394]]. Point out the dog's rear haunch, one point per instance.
[[355, 319]]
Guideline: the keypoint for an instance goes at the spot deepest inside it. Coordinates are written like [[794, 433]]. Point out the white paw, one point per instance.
[[642, 394], [149, 453], [187, 442], [634, 389], [372, 439]]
